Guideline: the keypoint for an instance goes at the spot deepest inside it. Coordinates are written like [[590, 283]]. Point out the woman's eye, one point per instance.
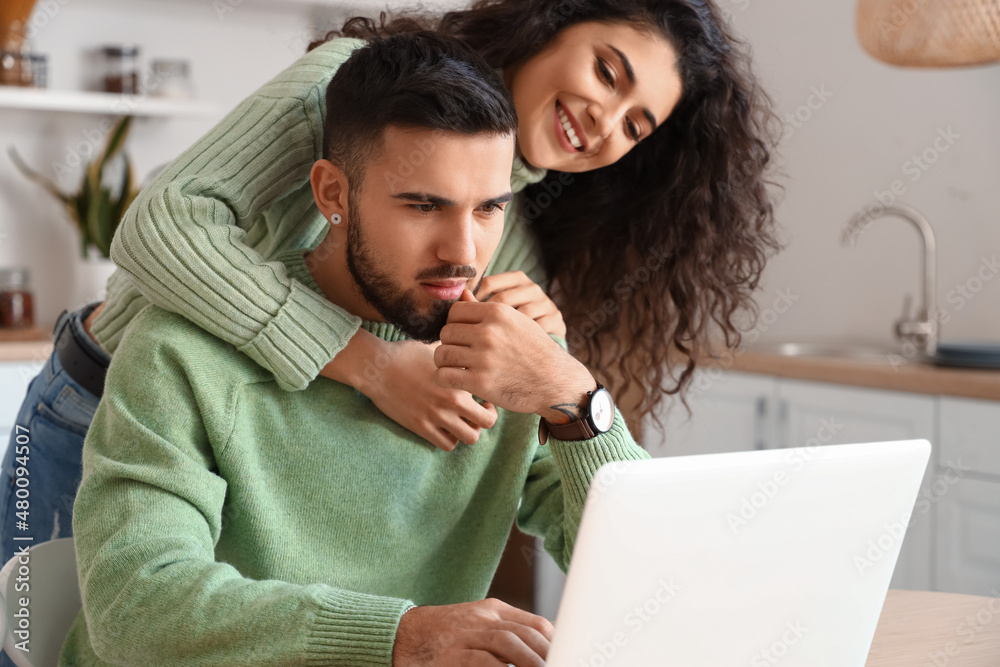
[[418, 207], [605, 72], [633, 130]]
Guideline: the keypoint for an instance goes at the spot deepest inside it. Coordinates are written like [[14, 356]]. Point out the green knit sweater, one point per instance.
[[222, 520], [202, 238]]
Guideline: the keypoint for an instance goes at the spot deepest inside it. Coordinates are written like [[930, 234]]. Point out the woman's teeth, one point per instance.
[[570, 132]]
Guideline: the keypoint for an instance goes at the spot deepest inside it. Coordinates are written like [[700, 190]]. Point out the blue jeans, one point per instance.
[[47, 441]]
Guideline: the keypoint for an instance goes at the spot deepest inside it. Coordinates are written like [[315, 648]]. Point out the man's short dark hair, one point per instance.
[[419, 80]]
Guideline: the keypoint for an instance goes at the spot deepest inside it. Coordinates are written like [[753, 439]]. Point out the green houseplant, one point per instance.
[[96, 208]]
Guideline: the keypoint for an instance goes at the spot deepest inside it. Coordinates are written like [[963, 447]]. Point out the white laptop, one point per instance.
[[760, 558]]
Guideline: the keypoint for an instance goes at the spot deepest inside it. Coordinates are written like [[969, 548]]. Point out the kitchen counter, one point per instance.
[[911, 376], [26, 344]]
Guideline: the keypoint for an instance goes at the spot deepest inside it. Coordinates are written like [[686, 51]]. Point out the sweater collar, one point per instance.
[[522, 175]]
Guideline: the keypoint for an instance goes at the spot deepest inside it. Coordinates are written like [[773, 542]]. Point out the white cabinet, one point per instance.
[[837, 414], [968, 537], [731, 412], [970, 435], [810, 413], [967, 497]]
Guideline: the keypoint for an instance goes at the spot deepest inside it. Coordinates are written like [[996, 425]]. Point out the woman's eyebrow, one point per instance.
[[630, 75], [626, 63]]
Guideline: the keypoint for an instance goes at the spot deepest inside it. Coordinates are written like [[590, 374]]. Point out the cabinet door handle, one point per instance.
[[759, 418], [781, 424]]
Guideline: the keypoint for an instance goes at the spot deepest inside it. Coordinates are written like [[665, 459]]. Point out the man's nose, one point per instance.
[[457, 244]]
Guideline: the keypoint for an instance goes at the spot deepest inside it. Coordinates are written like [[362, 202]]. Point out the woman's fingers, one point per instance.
[[469, 419], [553, 324], [537, 309], [501, 281], [439, 437], [518, 295], [461, 429]]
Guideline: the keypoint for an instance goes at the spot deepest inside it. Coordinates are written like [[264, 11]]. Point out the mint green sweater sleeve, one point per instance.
[[147, 519], [183, 243], [559, 479]]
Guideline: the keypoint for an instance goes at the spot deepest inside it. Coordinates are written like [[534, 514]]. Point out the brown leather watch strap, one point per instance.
[[576, 430]]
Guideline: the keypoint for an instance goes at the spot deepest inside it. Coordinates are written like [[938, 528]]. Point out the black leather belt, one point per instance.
[[79, 363]]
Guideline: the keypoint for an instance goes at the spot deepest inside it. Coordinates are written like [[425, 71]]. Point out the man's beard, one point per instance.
[[396, 305]]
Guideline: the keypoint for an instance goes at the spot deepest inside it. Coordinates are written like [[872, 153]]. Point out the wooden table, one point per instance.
[[926, 629]]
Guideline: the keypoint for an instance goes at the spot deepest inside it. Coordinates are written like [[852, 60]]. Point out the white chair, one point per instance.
[[54, 601]]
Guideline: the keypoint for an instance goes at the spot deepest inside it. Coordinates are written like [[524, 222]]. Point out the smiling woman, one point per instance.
[[654, 217], [576, 118]]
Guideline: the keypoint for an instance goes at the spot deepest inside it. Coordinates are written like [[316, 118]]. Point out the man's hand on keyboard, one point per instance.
[[484, 633]]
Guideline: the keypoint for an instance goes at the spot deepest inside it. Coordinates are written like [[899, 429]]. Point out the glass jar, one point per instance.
[[171, 78], [121, 69], [39, 70], [15, 56], [16, 307]]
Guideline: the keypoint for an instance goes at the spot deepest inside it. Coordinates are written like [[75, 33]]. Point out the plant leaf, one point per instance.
[[33, 175], [81, 205], [99, 214], [123, 199], [116, 140]]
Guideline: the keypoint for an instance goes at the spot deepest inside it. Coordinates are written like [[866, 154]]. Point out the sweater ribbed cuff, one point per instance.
[[579, 460], [304, 336], [355, 629], [123, 303]]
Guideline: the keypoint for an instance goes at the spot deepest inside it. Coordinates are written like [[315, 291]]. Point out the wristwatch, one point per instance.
[[599, 416]]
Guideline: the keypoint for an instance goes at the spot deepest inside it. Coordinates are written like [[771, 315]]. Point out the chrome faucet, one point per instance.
[[922, 331]]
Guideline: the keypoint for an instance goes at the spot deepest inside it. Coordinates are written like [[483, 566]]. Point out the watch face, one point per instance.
[[602, 410]]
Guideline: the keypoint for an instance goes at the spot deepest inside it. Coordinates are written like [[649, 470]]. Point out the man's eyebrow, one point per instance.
[[630, 75], [423, 197], [426, 197], [502, 199]]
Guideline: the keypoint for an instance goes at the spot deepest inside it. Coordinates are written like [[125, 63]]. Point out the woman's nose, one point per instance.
[[606, 115]]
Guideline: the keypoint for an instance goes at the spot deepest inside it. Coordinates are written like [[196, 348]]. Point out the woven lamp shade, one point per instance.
[[930, 33]]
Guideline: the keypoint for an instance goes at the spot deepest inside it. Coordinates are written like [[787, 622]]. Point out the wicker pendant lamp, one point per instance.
[[930, 33]]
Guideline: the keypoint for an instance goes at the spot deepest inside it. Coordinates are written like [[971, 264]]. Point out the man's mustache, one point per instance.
[[447, 272]]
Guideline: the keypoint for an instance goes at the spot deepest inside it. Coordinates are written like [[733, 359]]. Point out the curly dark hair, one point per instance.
[[655, 257]]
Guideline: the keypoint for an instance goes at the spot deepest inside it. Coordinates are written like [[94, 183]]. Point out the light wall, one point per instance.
[[854, 125]]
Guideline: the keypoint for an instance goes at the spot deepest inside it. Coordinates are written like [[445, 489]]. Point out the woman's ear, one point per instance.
[[329, 187]]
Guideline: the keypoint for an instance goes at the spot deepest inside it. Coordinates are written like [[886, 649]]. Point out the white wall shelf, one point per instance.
[[101, 103], [350, 5]]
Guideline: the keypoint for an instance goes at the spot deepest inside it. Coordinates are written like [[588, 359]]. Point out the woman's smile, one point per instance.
[[567, 130]]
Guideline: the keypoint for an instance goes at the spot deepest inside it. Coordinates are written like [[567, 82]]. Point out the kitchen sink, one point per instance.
[[867, 352]]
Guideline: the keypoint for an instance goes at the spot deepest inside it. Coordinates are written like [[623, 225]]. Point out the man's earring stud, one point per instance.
[[335, 218]]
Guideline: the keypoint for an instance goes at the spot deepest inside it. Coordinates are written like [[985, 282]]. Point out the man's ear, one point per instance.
[[329, 187]]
